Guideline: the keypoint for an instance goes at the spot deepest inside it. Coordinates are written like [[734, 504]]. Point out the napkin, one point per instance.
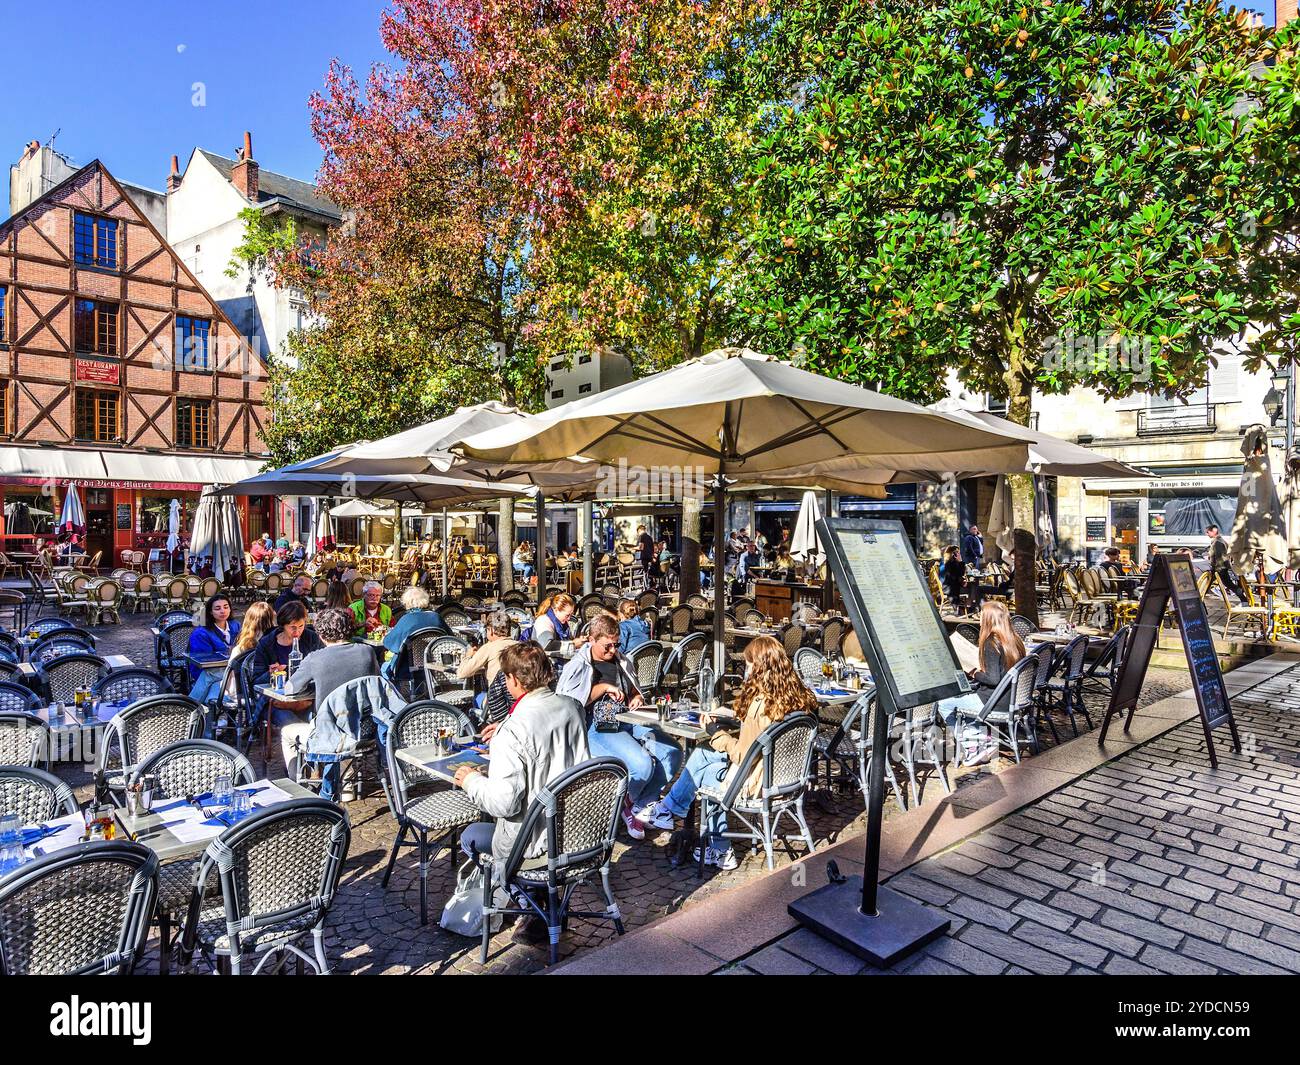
[[40, 832]]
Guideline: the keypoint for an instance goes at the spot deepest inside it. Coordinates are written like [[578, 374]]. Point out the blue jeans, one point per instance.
[[649, 767], [704, 767], [948, 708], [525, 572], [207, 689]]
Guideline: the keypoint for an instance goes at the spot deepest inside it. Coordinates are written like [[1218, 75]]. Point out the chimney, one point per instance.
[[243, 174], [174, 178]]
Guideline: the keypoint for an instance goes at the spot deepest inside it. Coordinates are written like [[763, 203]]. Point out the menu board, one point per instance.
[[1095, 529], [1174, 578], [891, 606]]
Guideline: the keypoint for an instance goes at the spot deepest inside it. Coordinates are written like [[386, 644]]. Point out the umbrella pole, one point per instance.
[[828, 585], [540, 504], [588, 563], [719, 575], [446, 529]]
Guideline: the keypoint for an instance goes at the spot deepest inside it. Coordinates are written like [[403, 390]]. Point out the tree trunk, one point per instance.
[[690, 546], [1020, 385], [506, 543]]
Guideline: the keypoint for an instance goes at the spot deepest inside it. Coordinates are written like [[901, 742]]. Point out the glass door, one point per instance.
[[1126, 528]]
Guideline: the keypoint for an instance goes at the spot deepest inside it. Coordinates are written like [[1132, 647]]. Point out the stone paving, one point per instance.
[[373, 930], [1153, 863]]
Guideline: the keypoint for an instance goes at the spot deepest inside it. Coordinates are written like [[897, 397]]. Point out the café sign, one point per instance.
[[98, 371]]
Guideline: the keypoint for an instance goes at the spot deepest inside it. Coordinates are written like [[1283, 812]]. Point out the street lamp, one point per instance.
[[1283, 396], [1273, 404]]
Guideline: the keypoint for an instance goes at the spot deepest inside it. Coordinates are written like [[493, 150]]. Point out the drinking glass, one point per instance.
[[241, 804], [221, 791], [11, 844], [828, 671], [56, 715]]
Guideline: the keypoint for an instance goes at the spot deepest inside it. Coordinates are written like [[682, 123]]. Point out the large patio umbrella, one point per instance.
[[324, 533], [1259, 528], [1044, 529], [228, 561], [72, 516], [1002, 521], [444, 489], [173, 528], [805, 544], [737, 414], [216, 540]]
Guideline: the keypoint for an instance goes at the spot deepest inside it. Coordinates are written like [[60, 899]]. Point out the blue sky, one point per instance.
[[122, 91]]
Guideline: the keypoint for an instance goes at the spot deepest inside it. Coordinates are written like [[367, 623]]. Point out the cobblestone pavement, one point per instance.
[[371, 930], [1153, 863]]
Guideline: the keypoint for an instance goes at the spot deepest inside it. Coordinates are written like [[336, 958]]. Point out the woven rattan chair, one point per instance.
[[439, 812], [645, 662], [24, 739], [437, 673], [680, 668], [1012, 723], [185, 769], [1101, 673], [105, 601], [577, 815], [147, 725], [128, 685], [278, 871], [17, 698], [34, 795], [784, 751], [61, 677], [78, 911], [410, 660], [41, 626], [174, 656], [808, 664]]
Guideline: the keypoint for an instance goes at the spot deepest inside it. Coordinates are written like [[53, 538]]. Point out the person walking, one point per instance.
[[972, 548]]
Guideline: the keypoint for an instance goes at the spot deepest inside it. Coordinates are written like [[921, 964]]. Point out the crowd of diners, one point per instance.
[[536, 721]]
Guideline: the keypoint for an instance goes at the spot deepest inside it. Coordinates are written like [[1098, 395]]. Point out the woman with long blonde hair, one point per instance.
[[551, 627], [999, 648], [771, 691], [259, 619]]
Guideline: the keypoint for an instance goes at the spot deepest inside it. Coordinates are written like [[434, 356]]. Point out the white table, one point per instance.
[[433, 761]]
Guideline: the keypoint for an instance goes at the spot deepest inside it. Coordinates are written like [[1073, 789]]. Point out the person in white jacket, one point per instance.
[[544, 735]]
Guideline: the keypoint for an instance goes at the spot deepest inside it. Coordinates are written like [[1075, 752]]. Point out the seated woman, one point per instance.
[[999, 649], [486, 658], [337, 597], [552, 626], [598, 671], [633, 630], [273, 649], [210, 641], [522, 561], [771, 691], [416, 616], [336, 662], [369, 613]]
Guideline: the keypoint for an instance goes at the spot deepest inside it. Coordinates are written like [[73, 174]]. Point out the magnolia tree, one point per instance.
[[1039, 195]]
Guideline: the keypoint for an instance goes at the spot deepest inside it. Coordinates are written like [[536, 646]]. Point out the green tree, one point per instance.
[[1040, 195]]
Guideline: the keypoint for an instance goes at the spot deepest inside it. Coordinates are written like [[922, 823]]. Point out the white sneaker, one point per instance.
[[656, 815], [634, 827], [722, 859]]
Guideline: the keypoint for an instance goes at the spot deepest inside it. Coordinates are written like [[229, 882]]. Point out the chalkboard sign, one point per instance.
[[1095, 529], [124, 517], [1174, 579], [893, 612]]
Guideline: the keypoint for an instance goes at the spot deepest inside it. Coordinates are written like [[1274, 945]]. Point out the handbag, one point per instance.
[[604, 713], [463, 911]]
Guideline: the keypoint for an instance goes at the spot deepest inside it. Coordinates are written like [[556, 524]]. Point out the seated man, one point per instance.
[[544, 735], [599, 670], [370, 612], [295, 593]]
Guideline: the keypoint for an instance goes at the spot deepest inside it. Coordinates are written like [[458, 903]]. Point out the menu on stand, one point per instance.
[[881, 574]]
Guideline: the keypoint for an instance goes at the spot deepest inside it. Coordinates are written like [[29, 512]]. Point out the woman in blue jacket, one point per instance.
[[209, 641]]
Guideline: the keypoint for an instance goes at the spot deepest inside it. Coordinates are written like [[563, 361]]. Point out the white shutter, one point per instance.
[[1226, 377]]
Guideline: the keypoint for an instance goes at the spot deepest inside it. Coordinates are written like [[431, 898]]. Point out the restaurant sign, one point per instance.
[[98, 371], [101, 482]]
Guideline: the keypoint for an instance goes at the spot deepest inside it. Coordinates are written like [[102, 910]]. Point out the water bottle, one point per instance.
[[295, 658]]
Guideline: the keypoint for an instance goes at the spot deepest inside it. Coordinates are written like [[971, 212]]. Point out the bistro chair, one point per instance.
[[56, 646], [783, 752], [442, 654], [833, 632], [42, 626], [680, 668], [24, 739], [128, 685], [175, 593], [454, 618], [680, 621], [78, 911], [1249, 615], [278, 871], [60, 677], [185, 769], [791, 637], [17, 603], [17, 698], [1012, 724], [34, 795], [10, 646], [411, 658], [645, 661], [137, 731], [808, 664], [578, 815], [105, 601], [441, 811], [1022, 626], [174, 652], [9, 670], [1067, 689], [41, 594], [1102, 672], [70, 633], [231, 710]]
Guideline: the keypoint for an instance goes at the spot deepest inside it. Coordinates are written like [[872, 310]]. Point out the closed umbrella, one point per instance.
[[204, 534], [1043, 526], [1002, 521], [324, 535], [1259, 528], [72, 517], [173, 528], [805, 545], [228, 559]]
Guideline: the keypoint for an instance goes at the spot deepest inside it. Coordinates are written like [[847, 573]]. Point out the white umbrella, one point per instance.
[[173, 526], [324, 530], [72, 517], [1259, 527], [737, 414], [805, 545], [1002, 521], [359, 508], [448, 489]]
